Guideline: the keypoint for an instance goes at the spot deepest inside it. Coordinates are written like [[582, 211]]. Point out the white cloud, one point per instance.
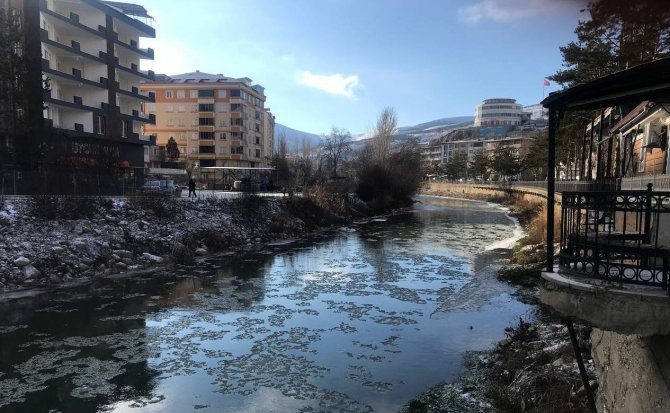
[[335, 84], [509, 10]]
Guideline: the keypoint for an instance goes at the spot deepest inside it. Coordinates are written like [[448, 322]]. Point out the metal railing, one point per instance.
[[621, 236], [660, 182], [571, 186]]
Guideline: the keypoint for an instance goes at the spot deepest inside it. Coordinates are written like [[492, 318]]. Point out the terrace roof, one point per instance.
[[649, 81]]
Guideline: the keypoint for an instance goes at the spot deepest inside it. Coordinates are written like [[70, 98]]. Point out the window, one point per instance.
[[220, 107], [124, 128], [151, 107], [194, 108], [237, 93], [237, 150], [236, 107], [237, 122], [222, 122], [181, 108], [170, 122], [258, 127], [205, 93], [194, 122], [168, 94], [193, 93], [170, 108], [643, 150], [206, 149], [181, 122], [221, 93], [206, 121], [194, 135], [181, 94], [222, 150], [258, 153], [236, 135], [100, 125], [206, 135], [206, 107], [182, 149], [222, 136], [194, 149]]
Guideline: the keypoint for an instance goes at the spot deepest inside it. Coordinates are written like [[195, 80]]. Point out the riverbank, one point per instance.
[[53, 240], [534, 368]]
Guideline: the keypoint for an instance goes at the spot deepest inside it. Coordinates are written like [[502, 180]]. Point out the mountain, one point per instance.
[[295, 138], [424, 131], [428, 130]]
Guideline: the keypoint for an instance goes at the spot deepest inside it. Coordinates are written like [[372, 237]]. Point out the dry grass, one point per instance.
[[537, 229]]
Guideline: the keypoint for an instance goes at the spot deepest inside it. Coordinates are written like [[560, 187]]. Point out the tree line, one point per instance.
[[384, 172]]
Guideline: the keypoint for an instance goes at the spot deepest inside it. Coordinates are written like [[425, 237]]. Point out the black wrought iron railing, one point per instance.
[[621, 236]]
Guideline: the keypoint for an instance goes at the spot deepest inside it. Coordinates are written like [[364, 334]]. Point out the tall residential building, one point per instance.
[[88, 53], [269, 128], [494, 112], [216, 121]]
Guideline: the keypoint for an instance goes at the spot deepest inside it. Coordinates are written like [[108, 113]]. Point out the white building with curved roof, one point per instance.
[[499, 111]]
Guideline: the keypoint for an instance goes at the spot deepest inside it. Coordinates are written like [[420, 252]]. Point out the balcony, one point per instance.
[[72, 50], [71, 21], [75, 78], [134, 92], [619, 237], [134, 70], [132, 46]]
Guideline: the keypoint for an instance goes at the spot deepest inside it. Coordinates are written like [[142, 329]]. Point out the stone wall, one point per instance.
[[633, 372]]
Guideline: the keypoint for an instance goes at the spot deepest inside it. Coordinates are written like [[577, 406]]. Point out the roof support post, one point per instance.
[[582, 172], [599, 150], [590, 160], [551, 178]]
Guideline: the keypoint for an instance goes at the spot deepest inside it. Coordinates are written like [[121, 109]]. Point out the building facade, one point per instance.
[[494, 112], [217, 121], [84, 55]]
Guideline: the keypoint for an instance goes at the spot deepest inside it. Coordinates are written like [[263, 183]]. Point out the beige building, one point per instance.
[[217, 122]]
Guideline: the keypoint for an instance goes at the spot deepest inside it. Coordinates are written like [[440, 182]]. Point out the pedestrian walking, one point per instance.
[[191, 189]]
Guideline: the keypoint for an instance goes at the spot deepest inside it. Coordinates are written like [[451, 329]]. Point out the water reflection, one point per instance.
[[358, 320]]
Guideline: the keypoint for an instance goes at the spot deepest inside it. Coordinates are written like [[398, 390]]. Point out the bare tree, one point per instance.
[[384, 131], [336, 146]]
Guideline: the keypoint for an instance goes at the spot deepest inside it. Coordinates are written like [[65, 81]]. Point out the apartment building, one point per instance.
[[87, 52], [217, 121]]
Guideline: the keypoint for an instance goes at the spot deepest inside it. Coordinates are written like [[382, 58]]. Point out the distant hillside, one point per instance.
[[295, 138], [424, 131], [437, 126]]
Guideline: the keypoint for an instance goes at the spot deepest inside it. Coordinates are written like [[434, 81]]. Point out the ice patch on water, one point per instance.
[[508, 243]]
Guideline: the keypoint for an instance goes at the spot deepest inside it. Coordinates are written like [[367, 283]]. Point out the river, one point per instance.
[[359, 319]]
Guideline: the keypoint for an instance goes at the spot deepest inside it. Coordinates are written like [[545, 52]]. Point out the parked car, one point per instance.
[[160, 185]]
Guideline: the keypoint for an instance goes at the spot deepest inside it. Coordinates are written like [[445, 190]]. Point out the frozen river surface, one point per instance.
[[358, 320]]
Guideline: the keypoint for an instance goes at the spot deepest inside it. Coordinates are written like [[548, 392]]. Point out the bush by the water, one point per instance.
[[393, 183], [52, 207], [163, 205]]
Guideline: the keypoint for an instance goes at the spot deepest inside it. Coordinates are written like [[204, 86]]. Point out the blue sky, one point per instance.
[[340, 62]]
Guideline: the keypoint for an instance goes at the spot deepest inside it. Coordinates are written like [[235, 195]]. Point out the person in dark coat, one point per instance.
[[191, 189]]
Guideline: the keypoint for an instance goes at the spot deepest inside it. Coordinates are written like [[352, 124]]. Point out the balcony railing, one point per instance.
[[619, 236]]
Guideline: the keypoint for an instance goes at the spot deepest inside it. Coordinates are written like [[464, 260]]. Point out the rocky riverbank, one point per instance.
[[50, 240], [532, 370]]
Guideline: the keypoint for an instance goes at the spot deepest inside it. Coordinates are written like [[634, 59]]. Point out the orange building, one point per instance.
[[216, 121]]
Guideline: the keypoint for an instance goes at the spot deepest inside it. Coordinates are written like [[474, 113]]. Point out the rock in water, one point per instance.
[[21, 261], [30, 272]]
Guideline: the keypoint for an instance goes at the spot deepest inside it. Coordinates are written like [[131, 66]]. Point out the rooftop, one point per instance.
[[203, 77]]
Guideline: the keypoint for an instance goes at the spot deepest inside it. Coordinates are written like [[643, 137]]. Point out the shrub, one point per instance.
[[163, 205], [392, 184], [52, 207]]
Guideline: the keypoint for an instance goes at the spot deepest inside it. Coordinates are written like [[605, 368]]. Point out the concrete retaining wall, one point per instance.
[[632, 372]]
